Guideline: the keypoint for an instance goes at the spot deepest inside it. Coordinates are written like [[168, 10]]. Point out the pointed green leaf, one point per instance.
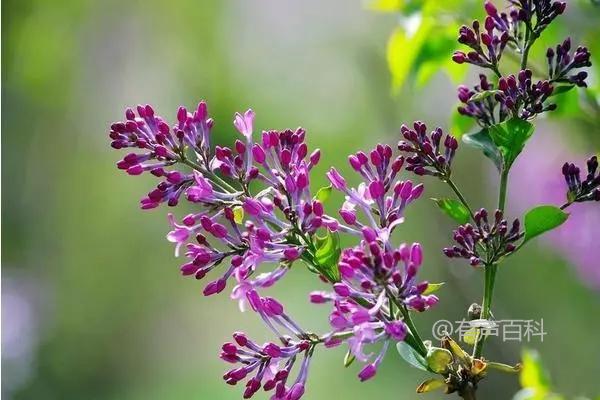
[[238, 215], [323, 194], [433, 287], [482, 141], [510, 138], [479, 96], [431, 385], [542, 219], [349, 359], [454, 209], [562, 89], [327, 254], [411, 356], [509, 369]]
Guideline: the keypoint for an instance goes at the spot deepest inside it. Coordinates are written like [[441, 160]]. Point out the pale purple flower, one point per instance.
[[244, 123]]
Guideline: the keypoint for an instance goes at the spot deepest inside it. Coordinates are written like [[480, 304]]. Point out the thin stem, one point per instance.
[[488, 295], [460, 196], [413, 329], [565, 205], [205, 171], [532, 35], [503, 188]]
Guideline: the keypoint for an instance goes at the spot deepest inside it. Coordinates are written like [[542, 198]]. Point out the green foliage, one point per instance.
[[430, 385], [327, 254], [454, 209], [323, 194], [433, 287], [411, 356], [482, 141], [502, 143], [534, 379], [438, 359], [403, 49], [542, 219], [510, 137]]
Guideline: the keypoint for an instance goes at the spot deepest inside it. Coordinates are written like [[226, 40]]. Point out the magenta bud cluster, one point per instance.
[[429, 154]]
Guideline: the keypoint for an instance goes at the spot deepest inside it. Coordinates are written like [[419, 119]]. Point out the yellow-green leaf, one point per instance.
[[323, 194], [438, 359], [238, 215], [510, 369], [533, 374], [431, 385], [433, 287], [403, 49]]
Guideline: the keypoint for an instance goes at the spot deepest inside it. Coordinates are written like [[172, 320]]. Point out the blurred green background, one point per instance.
[[93, 306]]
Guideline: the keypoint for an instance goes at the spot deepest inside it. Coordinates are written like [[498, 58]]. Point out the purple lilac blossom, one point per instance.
[[493, 235], [276, 225]]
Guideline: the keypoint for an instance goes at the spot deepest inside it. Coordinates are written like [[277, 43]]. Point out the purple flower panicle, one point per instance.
[[561, 63], [586, 190], [492, 239], [254, 207], [430, 154]]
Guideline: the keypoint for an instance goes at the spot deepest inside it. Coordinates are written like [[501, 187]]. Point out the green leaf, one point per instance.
[[510, 137], [327, 254], [439, 359], [482, 141], [411, 356], [542, 219], [402, 51], [561, 89], [349, 359], [454, 209], [430, 385], [238, 215], [323, 194], [509, 369], [433, 287], [533, 375], [483, 95]]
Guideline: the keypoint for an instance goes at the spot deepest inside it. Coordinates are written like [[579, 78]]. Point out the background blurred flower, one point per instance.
[[537, 178]]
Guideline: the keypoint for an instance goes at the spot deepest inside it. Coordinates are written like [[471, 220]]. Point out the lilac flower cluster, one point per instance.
[[483, 110], [428, 156], [523, 98], [381, 197], [492, 240], [487, 46], [271, 363], [375, 276], [278, 224], [517, 95], [586, 190], [561, 63]]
